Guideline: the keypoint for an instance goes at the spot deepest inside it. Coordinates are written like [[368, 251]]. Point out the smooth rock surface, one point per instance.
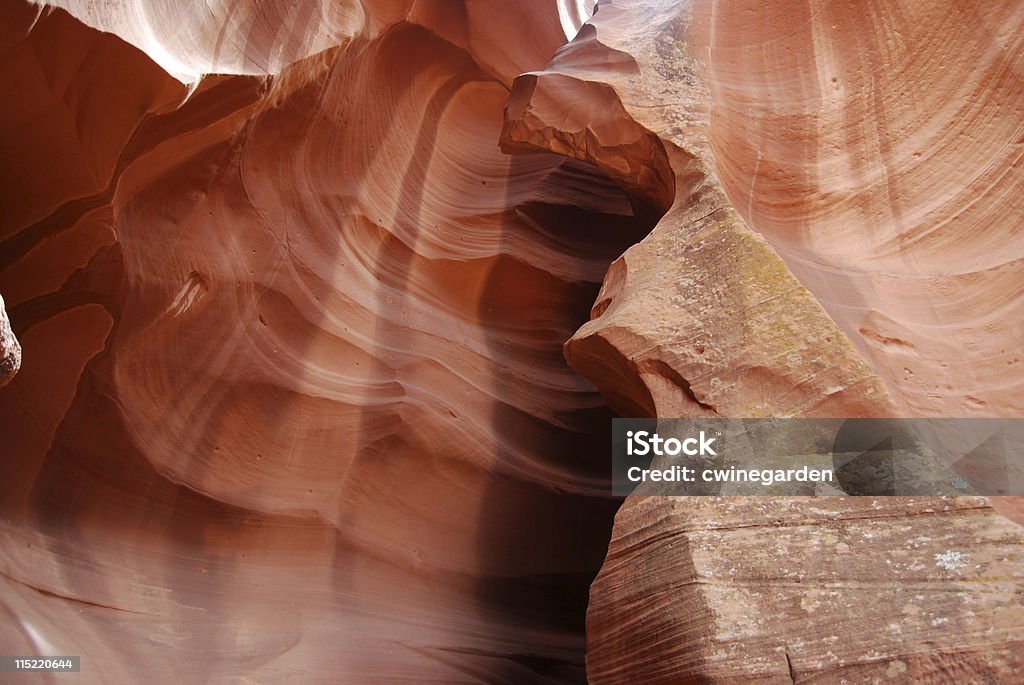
[[294, 279], [294, 406]]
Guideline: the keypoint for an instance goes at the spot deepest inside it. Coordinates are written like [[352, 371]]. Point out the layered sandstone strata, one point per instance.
[[294, 400], [800, 270], [781, 590], [294, 405]]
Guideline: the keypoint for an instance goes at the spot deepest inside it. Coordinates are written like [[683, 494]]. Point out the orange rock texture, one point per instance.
[[325, 309]]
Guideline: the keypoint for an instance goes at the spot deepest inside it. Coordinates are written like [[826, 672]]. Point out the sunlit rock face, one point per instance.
[[821, 255], [190, 38], [10, 348], [702, 318], [885, 168], [293, 282]]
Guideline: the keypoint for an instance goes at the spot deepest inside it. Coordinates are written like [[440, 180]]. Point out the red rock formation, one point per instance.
[[294, 406], [777, 590], [704, 318], [884, 168]]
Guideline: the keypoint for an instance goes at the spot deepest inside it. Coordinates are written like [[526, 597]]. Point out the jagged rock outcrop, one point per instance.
[[706, 317], [10, 348]]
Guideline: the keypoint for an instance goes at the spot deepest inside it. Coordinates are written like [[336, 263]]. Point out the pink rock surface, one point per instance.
[[884, 167], [294, 280], [777, 590], [294, 406], [705, 318]]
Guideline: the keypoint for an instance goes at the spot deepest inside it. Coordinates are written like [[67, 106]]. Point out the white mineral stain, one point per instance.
[[950, 560]]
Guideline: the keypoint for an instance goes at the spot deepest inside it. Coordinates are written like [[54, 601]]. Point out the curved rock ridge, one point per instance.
[[193, 38], [702, 317], [884, 167], [294, 279], [294, 402], [706, 317]]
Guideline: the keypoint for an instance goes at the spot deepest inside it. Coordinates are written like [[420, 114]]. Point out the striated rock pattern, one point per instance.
[[702, 317], [779, 282], [885, 169], [294, 281], [779, 590], [294, 406]]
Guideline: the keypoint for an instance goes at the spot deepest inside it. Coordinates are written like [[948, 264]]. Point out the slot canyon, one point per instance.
[[316, 316]]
